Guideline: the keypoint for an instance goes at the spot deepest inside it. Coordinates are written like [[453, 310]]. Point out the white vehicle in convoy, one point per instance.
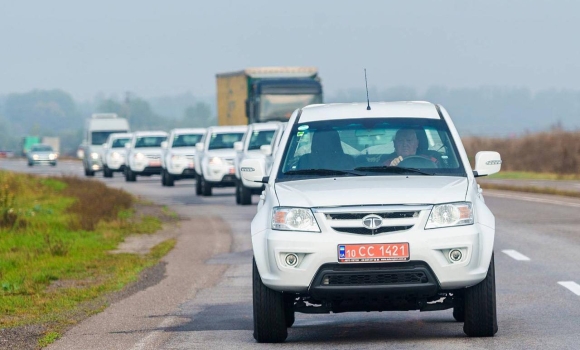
[[97, 129], [372, 210], [144, 154], [257, 143], [177, 161], [214, 158], [114, 153]]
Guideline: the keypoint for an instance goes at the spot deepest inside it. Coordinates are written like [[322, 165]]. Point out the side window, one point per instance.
[[301, 144]]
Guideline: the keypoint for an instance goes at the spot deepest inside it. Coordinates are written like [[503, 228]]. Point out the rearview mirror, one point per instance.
[[238, 146], [266, 150], [487, 163], [164, 145], [199, 147], [253, 170]]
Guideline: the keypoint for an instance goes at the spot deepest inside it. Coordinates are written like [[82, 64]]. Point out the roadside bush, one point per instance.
[[8, 213], [555, 151]]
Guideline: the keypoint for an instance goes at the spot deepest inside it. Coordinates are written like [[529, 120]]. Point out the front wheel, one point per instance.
[[269, 312], [107, 172], [197, 185], [205, 187], [169, 179], [480, 306], [245, 194]]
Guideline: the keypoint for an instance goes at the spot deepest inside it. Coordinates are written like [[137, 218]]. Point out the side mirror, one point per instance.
[[128, 145], [199, 147], [105, 146], [253, 170], [487, 163], [238, 146], [266, 150], [164, 145]]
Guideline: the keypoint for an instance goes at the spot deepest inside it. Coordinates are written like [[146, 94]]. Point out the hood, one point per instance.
[[254, 154], [371, 190], [148, 150], [184, 151], [228, 153]]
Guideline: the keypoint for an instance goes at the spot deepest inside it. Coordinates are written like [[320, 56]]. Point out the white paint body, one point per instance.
[[185, 155]]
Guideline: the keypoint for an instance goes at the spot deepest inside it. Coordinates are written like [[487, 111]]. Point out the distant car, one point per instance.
[[41, 154], [214, 158], [114, 153], [257, 143], [178, 155], [144, 154]]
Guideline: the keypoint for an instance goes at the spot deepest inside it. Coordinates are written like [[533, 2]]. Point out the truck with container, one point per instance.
[[28, 142], [265, 94], [97, 129]]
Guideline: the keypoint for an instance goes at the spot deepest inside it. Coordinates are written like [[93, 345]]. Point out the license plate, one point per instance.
[[232, 170], [190, 165], [378, 252], [154, 163]]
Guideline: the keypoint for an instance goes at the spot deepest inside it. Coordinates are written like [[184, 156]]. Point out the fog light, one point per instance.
[[455, 255], [291, 259]]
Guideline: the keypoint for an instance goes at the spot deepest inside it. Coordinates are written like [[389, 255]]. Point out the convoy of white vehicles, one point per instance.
[[363, 207]]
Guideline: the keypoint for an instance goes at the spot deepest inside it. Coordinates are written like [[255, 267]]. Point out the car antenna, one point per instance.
[[367, 86]]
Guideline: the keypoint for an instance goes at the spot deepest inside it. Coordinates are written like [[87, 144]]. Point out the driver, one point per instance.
[[406, 144]]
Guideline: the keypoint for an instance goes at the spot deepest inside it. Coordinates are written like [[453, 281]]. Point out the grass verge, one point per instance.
[[55, 235]]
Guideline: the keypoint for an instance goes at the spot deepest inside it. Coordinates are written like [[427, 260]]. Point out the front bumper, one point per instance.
[[429, 246], [220, 173], [116, 164], [181, 169]]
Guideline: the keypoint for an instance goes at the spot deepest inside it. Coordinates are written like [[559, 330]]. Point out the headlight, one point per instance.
[[216, 161], [35, 156], [294, 219], [116, 155], [52, 156], [95, 155], [139, 156], [450, 214]]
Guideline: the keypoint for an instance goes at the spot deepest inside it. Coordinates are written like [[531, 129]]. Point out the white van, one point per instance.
[[97, 129]]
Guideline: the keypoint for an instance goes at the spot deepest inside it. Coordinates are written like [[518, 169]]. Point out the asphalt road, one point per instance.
[[204, 302], [562, 185]]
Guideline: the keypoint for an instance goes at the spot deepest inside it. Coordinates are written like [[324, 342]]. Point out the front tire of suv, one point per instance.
[[169, 180], [163, 179], [238, 184], [107, 172], [245, 195], [269, 312], [289, 314], [197, 185], [205, 187], [480, 307], [130, 175]]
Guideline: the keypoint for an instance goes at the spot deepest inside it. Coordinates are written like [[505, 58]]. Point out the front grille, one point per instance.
[[374, 279], [150, 156], [190, 157], [229, 161], [366, 231], [356, 216]]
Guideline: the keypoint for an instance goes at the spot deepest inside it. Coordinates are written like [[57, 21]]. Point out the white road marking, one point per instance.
[[533, 199], [571, 286], [515, 255]]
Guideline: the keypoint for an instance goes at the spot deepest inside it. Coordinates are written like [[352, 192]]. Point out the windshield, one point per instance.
[[373, 146], [149, 141], [100, 137], [41, 148], [224, 140], [120, 143], [186, 140], [280, 107], [260, 138]]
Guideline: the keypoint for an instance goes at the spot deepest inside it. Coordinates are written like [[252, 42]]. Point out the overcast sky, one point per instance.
[[168, 47]]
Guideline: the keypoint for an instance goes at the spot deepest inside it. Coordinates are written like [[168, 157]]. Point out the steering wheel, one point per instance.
[[417, 162]]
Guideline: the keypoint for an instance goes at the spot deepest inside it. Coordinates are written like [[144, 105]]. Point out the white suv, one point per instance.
[[144, 154], [257, 143], [372, 210], [214, 158], [177, 161], [114, 153]]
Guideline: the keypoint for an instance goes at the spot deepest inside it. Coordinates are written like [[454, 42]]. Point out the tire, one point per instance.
[[30, 164], [163, 180], [205, 187], [197, 185], [269, 312], [289, 314], [89, 173], [169, 179], [459, 308], [238, 184], [245, 195], [480, 307], [107, 172], [459, 313], [130, 175]]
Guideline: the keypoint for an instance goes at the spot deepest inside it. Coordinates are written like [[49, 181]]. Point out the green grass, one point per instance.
[[54, 248], [528, 175]]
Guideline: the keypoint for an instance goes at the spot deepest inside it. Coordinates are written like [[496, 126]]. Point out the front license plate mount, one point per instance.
[[373, 253]]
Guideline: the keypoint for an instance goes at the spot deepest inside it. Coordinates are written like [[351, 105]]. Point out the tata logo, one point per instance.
[[372, 222], [247, 169], [493, 162]]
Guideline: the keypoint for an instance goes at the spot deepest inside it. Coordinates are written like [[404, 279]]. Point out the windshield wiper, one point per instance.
[[322, 172], [392, 170]]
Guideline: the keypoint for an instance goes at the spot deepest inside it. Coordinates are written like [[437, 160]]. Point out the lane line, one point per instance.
[[515, 255], [533, 199], [571, 286]]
